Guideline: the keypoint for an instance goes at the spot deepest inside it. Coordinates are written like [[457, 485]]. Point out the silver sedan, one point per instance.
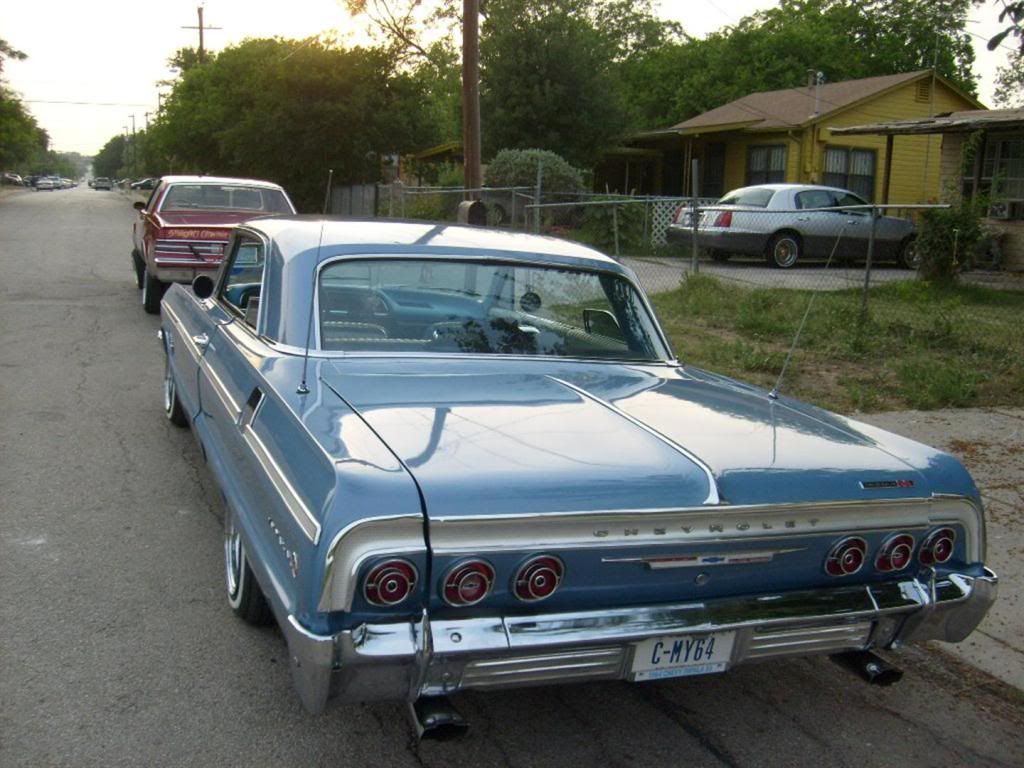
[[787, 223]]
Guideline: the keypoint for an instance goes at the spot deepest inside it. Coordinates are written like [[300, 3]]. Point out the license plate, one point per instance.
[[679, 655]]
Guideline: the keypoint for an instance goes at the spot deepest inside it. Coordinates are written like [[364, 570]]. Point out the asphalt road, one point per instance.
[[118, 648]]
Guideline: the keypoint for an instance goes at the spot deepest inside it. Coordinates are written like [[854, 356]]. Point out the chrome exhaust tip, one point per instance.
[[871, 668], [434, 718]]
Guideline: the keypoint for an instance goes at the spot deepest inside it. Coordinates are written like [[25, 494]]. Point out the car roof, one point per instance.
[[783, 187], [303, 232], [219, 180]]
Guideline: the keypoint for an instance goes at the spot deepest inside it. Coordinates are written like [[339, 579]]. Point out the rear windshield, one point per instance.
[[757, 198], [411, 305], [229, 197]]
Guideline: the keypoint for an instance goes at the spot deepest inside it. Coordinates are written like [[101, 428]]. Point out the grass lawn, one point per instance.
[[920, 346]]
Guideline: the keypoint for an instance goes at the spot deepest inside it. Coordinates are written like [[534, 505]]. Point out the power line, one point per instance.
[[85, 103]]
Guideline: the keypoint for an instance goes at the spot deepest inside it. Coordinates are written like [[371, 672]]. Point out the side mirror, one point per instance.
[[202, 286], [138, 205]]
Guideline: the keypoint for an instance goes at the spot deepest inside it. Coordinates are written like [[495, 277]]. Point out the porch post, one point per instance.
[[887, 173]]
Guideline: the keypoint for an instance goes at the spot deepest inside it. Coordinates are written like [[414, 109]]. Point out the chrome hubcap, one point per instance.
[[169, 387], [233, 559], [785, 252]]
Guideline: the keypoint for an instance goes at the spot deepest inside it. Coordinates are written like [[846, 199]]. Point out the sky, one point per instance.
[[107, 55]]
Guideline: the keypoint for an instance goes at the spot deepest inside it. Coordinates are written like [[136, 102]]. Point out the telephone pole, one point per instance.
[[202, 27], [471, 97]]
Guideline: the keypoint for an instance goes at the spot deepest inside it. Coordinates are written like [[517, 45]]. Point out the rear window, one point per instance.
[[228, 197], [756, 198], [432, 305]]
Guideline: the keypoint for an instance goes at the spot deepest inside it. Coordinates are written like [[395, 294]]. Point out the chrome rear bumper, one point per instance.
[[431, 657]]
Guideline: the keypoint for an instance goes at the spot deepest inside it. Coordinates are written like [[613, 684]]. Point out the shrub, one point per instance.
[[518, 168], [947, 237], [601, 221]]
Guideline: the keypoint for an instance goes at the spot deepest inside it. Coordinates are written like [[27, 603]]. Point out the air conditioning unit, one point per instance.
[[999, 210]]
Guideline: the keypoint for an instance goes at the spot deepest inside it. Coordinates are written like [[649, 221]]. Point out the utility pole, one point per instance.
[[471, 96], [147, 120], [202, 27]]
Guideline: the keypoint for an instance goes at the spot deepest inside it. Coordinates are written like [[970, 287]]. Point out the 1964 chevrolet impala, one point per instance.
[[457, 458]]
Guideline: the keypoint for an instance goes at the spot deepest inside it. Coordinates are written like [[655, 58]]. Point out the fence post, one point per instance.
[[615, 227], [536, 198], [867, 264], [647, 211], [512, 210], [401, 199], [391, 200], [694, 260]]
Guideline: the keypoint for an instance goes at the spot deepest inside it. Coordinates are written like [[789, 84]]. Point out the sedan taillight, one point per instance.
[[896, 553], [724, 219], [390, 582], [467, 583], [846, 556], [937, 547], [538, 578]]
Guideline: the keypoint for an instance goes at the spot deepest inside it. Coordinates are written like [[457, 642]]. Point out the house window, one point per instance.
[[766, 164], [1002, 176], [852, 169]]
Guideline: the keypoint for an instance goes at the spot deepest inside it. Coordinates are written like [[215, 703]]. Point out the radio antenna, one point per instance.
[[327, 194], [774, 394], [303, 389]]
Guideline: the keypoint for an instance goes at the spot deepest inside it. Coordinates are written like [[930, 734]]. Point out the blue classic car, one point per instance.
[[458, 458]]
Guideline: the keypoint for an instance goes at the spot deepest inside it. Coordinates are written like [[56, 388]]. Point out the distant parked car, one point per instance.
[[11, 178], [149, 183], [47, 182], [102, 182], [787, 223], [183, 227]]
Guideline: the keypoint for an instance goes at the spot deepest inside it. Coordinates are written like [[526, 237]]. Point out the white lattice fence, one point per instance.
[[664, 211]]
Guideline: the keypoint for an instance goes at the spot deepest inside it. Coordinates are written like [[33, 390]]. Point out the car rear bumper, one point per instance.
[[180, 271], [406, 660]]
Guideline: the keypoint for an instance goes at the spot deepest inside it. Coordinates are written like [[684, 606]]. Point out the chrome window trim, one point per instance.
[[514, 258], [230, 251]]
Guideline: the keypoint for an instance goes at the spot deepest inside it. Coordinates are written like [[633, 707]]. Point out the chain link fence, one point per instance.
[[738, 289]]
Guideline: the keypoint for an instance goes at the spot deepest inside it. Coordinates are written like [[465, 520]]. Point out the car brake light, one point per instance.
[[390, 582], [538, 578], [846, 556], [467, 583], [896, 553], [937, 547], [724, 219]]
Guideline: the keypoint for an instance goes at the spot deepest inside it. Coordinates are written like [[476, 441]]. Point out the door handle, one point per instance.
[[803, 218], [202, 341]]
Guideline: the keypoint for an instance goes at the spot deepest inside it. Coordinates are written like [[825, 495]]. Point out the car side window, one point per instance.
[[848, 198], [814, 198], [240, 290]]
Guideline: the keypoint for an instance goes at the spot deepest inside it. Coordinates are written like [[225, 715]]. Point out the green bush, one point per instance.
[[601, 221], [947, 237], [518, 168]]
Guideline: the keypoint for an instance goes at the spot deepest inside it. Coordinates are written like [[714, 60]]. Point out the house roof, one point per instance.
[[952, 122], [793, 107]]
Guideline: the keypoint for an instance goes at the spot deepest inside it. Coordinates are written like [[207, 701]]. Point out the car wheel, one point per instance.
[[720, 256], [244, 594], [152, 292], [784, 250], [909, 258], [172, 405], [138, 267]]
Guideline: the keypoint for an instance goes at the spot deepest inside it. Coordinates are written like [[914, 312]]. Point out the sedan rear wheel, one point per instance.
[[138, 267], [909, 258], [784, 250], [152, 292], [244, 594]]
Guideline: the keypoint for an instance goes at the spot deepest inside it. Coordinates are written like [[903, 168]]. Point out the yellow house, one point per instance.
[[786, 136]]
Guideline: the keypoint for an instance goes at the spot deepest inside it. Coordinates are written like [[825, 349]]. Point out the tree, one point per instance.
[[1010, 77], [773, 49], [110, 158], [9, 52]]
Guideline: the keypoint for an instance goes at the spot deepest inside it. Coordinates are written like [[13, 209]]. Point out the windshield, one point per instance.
[[434, 305], [231, 197]]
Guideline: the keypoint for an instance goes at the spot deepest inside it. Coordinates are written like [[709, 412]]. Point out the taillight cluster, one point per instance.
[[465, 583], [848, 555]]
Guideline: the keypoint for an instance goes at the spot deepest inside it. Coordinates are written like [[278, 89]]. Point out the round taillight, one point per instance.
[[390, 582], [538, 578], [846, 556], [468, 583], [896, 553], [937, 547]]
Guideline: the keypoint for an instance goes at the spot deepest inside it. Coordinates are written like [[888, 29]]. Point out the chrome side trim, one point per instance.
[[712, 498], [703, 559], [232, 407], [296, 506], [182, 333], [353, 545]]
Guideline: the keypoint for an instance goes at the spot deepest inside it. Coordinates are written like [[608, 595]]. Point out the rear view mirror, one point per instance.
[[602, 322], [202, 286]]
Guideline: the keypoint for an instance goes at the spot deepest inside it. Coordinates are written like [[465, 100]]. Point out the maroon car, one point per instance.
[[184, 226]]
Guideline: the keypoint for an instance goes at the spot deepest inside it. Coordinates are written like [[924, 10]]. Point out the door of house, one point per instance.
[[714, 170]]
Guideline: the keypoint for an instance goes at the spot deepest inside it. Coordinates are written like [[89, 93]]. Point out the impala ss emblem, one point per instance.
[[661, 562], [873, 485], [290, 555]]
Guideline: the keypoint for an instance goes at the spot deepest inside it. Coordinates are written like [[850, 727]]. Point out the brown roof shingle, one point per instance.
[[791, 107]]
